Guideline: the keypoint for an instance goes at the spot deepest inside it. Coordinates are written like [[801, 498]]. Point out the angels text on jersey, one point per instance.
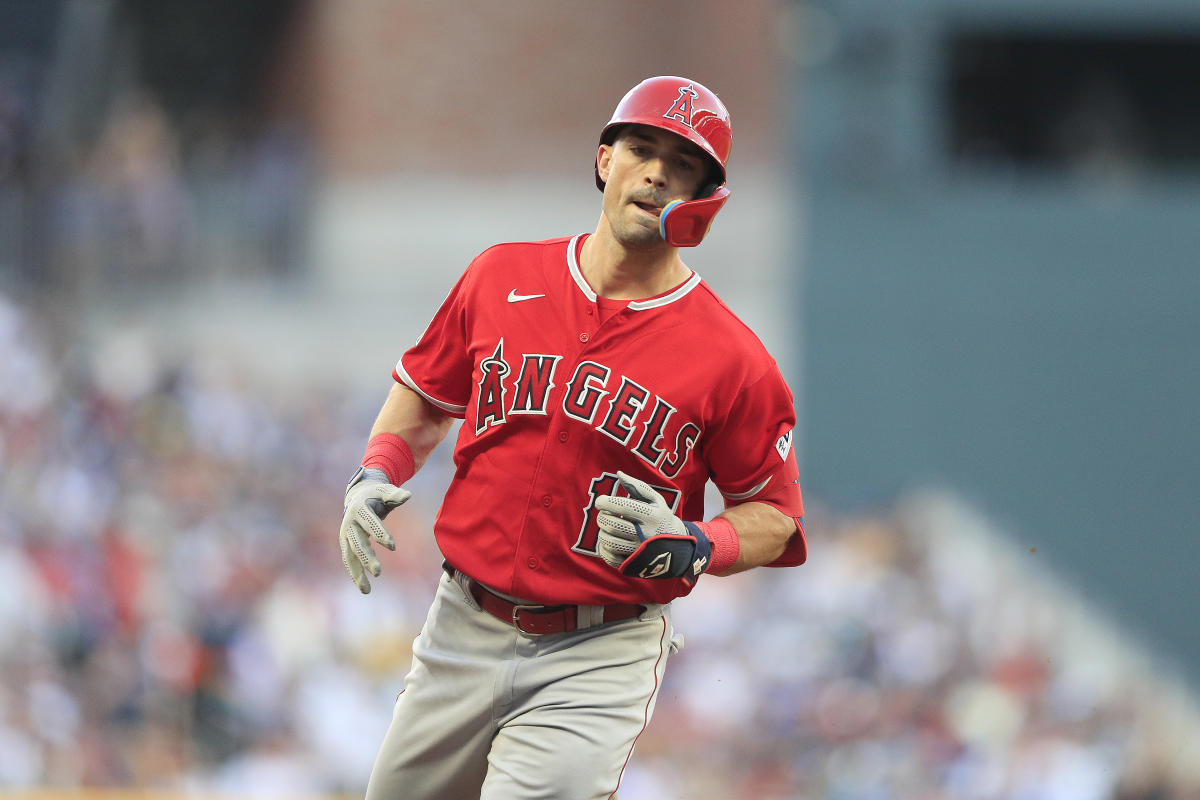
[[613, 404]]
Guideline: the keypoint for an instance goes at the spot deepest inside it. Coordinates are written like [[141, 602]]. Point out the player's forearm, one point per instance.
[[420, 424], [763, 534]]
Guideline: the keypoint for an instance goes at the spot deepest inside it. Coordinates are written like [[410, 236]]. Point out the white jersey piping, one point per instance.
[[636, 305], [750, 493], [450, 408], [573, 265], [666, 299]]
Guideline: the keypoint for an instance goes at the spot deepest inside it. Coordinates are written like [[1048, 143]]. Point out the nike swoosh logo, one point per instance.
[[513, 297]]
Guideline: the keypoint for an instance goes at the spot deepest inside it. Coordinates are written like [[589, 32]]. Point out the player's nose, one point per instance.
[[656, 174]]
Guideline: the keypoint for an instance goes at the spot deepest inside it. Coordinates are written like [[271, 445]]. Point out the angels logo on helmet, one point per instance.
[[681, 109]]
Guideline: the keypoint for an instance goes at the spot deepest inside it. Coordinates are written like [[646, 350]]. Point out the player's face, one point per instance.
[[644, 170]]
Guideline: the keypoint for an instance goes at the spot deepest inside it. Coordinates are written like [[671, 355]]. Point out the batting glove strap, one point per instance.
[[670, 555]]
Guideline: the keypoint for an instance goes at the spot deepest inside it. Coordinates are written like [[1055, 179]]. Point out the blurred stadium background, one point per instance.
[[968, 230]]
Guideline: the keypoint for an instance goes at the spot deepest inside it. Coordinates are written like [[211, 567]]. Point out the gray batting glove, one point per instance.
[[626, 522], [642, 538], [369, 498]]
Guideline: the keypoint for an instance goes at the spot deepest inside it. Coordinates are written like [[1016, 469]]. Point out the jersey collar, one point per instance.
[[637, 305]]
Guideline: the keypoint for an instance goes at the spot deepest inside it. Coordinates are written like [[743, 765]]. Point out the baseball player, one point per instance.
[[601, 384]]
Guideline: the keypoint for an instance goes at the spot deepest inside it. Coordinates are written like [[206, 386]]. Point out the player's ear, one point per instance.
[[604, 161]]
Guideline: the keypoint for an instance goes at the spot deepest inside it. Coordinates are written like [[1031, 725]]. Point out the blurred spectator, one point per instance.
[[137, 164], [1100, 134], [15, 154], [14, 130]]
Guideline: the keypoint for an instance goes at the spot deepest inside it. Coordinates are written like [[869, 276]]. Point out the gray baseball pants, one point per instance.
[[490, 712]]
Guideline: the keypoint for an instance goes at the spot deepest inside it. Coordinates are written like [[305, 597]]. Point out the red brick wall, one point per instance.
[[524, 86]]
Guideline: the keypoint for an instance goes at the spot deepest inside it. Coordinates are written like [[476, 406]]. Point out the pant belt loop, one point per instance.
[[589, 616], [464, 583]]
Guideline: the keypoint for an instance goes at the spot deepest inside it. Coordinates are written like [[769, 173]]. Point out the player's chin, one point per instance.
[[641, 232]]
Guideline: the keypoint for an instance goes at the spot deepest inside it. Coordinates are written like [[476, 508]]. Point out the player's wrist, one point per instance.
[[723, 540], [390, 453]]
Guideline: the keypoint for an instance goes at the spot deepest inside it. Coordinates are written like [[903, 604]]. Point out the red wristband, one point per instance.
[[725, 544], [390, 453]]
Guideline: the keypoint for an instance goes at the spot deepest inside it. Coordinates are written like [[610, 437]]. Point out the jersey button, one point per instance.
[[563, 436], [547, 500], [532, 562], [583, 337]]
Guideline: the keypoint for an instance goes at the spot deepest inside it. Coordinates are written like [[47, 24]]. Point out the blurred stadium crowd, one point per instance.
[[175, 615]]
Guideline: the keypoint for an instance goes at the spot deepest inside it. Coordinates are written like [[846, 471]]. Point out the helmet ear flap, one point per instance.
[[684, 223]]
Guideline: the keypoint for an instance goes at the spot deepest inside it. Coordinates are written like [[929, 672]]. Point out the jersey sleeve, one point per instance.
[[438, 367], [751, 458]]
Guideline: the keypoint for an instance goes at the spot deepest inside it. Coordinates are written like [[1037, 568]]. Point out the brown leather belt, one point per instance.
[[539, 619]]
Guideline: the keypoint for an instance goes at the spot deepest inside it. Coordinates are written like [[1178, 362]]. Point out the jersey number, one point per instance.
[[589, 532]]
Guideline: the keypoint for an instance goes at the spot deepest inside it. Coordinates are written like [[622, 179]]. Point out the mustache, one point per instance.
[[649, 198]]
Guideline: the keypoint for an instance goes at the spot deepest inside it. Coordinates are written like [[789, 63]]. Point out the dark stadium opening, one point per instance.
[[213, 55], [1062, 101]]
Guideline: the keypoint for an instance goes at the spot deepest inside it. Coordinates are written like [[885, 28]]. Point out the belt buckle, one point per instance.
[[517, 609]]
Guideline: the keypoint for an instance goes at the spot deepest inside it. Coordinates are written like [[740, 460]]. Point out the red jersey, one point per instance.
[[557, 391]]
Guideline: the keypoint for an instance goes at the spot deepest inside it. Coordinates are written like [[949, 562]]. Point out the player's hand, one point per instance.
[[642, 538], [369, 498]]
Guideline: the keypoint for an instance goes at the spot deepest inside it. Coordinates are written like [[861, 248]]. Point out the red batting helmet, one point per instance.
[[687, 108]]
